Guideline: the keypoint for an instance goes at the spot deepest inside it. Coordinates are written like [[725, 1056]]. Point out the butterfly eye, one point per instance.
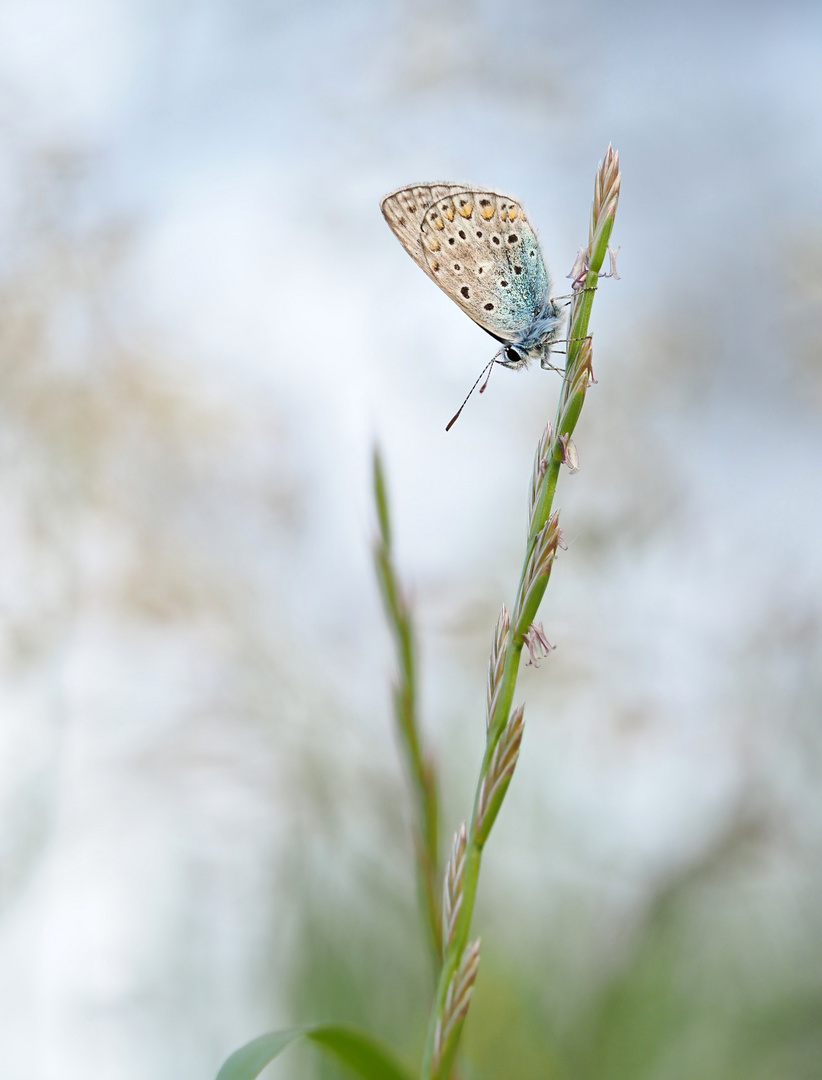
[[512, 356]]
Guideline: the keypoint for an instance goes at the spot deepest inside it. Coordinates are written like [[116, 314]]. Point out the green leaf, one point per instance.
[[358, 1050], [250, 1060]]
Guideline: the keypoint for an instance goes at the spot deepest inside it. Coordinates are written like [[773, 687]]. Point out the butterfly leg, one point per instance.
[[546, 364], [570, 296]]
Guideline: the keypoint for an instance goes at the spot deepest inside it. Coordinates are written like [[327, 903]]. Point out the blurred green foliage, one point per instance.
[[704, 978]]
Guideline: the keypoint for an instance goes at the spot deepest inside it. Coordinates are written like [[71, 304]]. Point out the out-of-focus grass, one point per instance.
[[137, 664], [716, 972]]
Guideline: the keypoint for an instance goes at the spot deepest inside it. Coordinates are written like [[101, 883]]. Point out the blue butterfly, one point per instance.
[[478, 247]]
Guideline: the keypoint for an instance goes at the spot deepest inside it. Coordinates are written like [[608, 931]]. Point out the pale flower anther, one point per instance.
[[612, 270], [579, 271], [570, 456], [538, 644]]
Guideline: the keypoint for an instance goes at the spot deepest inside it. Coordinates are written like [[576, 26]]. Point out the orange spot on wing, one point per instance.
[[467, 210]]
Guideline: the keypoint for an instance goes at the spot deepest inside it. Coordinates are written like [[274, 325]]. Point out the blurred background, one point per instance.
[[205, 324]]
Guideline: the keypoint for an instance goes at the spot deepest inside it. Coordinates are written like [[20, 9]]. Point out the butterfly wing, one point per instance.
[[479, 248], [404, 210]]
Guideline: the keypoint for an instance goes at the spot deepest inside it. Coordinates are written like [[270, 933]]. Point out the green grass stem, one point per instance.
[[419, 766], [543, 540]]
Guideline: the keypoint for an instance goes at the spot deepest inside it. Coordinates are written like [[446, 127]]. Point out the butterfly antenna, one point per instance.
[[488, 367]]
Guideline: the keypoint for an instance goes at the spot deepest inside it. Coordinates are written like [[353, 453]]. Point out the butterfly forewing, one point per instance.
[[480, 249], [404, 210]]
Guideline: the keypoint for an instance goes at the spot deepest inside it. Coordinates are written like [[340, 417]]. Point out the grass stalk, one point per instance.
[[504, 728], [419, 766]]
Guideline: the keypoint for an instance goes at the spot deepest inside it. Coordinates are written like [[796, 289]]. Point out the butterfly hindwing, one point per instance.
[[481, 251]]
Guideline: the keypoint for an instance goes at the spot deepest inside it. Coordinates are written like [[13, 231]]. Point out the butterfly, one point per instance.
[[478, 246]]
